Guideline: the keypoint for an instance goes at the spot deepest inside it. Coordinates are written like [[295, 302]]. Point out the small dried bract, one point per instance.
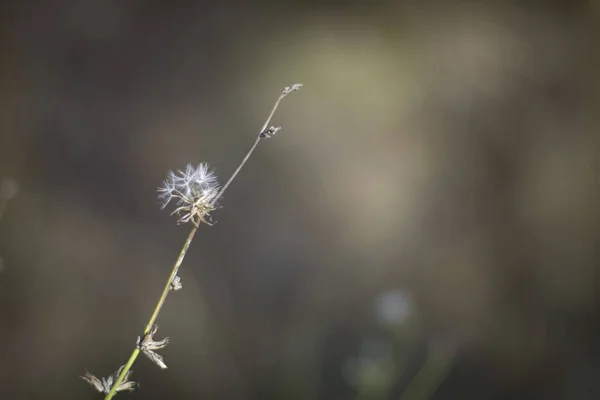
[[289, 89], [269, 132], [148, 345], [194, 191], [105, 384], [176, 283]]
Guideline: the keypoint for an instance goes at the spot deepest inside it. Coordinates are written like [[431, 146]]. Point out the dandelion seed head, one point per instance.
[[193, 190]]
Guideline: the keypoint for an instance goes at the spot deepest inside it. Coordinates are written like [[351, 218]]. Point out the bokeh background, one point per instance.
[[425, 226]]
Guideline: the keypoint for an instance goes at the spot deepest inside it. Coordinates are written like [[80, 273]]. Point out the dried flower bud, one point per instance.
[[105, 384], [148, 345], [269, 132], [176, 283], [289, 89]]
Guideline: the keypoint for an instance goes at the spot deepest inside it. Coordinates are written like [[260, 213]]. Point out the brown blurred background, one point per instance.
[[425, 226]]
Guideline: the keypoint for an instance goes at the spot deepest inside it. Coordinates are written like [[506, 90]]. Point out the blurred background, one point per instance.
[[425, 226]]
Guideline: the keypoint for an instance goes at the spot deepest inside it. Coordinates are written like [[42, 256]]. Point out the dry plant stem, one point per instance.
[[258, 137], [186, 246], [157, 309], [174, 272]]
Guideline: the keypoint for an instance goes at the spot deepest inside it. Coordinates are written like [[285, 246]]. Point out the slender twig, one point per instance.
[[157, 309], [264, 132], [261, 134]]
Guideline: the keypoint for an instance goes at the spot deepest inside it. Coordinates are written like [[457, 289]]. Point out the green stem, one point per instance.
[[186, 246], [154, 316]]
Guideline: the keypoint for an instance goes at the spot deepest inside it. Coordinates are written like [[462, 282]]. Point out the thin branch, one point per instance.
[[264, 132], [261, 134]]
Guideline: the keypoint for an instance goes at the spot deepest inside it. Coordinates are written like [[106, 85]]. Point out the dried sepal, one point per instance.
[[155, 358], [292, 88], [95, 382], [126, 384], [176, 283], [147, 345], [104, 385], [269, 132]]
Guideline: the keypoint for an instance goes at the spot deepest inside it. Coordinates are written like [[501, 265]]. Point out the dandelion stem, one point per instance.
[[174, 272], [285, 92], [187, 243], [157, 309]]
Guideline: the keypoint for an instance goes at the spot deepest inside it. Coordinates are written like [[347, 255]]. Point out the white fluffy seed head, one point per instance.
[[194, 192]]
